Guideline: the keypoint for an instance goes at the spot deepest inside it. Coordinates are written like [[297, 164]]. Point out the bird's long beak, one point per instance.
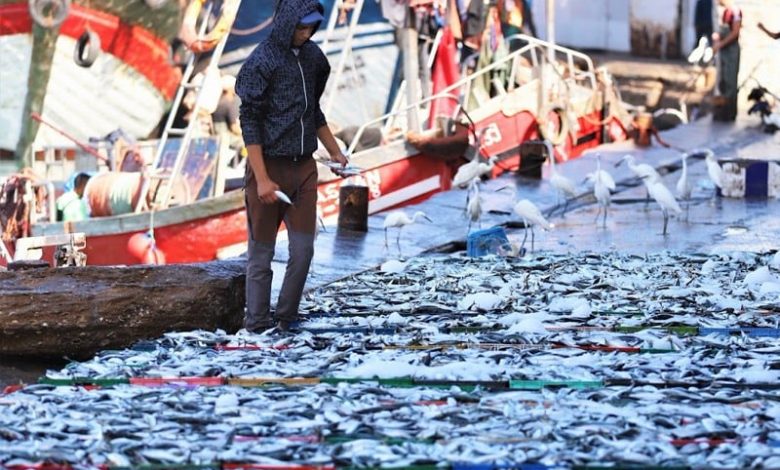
[[427, 218], [620, 162], [503, 188]]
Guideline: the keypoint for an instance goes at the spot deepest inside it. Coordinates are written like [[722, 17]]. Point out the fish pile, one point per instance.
[[559, 360]]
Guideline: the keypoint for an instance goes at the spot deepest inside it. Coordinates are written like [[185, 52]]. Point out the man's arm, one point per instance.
[[769, 33], [327, 139], [265, 186], [251, 86], [730, 38]]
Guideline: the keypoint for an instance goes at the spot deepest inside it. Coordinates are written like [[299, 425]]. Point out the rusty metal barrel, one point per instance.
[[533, 154], [353, 208]]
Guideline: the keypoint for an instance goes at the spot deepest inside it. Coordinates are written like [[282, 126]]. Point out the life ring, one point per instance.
[[49, 13], [199, 44], [87, 49], [155, 4], [554, 131]]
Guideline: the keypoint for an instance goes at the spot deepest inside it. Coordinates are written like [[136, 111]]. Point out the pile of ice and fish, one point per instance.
[[546, 341]]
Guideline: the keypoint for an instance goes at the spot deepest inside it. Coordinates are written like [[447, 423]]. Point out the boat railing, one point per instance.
[[49, 212], [554, 50], [536, 51], [391, 114]]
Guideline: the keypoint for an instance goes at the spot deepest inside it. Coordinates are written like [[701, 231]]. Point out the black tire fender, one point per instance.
[[87, 49]]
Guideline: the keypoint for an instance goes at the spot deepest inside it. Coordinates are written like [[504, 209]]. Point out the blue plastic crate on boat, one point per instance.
[[751, 179], [487, 242]]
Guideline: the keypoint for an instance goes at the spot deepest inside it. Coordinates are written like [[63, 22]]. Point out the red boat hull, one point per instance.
[[199, 231]]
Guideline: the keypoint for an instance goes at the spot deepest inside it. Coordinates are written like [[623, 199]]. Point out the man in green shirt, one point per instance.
[[71, 206]]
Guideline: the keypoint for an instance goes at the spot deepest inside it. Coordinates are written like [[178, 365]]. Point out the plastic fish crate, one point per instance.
[[486, 242], [751, 179], [766, 332]]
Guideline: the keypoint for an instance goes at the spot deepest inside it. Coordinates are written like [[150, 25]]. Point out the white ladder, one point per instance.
[[163, 192], [346, 51]]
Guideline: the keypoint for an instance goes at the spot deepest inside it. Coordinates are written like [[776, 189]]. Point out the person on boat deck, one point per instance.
[[726, 45], [72, 205], [516, 18], [280, 86], [769, 33], [225, 117]]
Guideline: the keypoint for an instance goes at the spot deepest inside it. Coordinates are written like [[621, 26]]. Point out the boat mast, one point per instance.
[[44, 45], [551, 21], [411, 70]]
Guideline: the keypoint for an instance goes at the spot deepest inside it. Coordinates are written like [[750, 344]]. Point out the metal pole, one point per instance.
[[551, 21], [411, 71]]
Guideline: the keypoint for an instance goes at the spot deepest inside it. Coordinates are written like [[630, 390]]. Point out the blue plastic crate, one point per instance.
[[749, 331], [487, 242], [757, 175]]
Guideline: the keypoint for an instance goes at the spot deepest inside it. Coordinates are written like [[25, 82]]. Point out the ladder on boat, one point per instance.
[[161, 181], [352, 9]]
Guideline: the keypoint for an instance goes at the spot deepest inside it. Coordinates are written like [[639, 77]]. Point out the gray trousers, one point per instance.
[[297, 179]]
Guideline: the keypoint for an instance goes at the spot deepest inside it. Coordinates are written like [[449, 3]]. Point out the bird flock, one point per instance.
[[603, 186], [726, 180]]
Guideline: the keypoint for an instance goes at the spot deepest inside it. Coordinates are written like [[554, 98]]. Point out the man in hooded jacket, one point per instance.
[[280, 86]]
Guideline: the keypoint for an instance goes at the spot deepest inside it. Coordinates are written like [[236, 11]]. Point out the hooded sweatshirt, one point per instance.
[[280, 91]]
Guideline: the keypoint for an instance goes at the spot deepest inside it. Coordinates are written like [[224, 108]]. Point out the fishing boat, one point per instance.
[[539, 91], [397, 173], [93, 65]]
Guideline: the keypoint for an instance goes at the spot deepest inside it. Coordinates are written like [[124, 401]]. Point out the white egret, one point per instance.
[[643, 171], [474, 205], [531, 216], [400, 219], [714, 170], [472, 170], [603, 185], [665, 199], [683, 186], [561, 183]]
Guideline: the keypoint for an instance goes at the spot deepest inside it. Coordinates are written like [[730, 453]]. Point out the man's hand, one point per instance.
[[339, 158], [265, 191]]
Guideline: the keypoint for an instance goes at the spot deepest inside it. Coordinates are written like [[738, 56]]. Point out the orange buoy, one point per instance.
[[144, 249]]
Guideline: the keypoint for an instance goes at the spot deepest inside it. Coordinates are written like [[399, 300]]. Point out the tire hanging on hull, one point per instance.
[[87, 49]]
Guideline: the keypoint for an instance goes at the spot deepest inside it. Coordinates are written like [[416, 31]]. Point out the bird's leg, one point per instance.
[[386, 237], [525, 236], [598, 213], [606, 209], [687, 208], [647, 198], [666, 220], [532, 238], [398, 240], [565, 206], [468, 230]]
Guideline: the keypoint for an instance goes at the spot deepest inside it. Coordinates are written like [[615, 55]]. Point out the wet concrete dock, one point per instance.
[[714, 223]]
